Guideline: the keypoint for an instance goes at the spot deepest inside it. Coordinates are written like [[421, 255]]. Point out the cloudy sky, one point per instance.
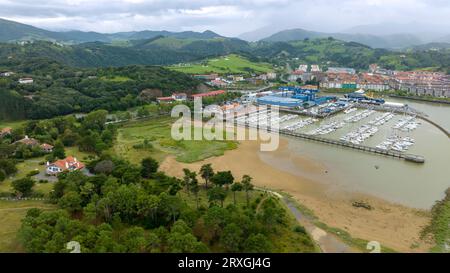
[[227, 17]]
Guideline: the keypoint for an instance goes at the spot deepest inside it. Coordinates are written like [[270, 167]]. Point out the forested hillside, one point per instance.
[[170, 50], [59, 89]]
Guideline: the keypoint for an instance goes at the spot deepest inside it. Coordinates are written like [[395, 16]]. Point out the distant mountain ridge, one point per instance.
[[387, 41], [13, 31]]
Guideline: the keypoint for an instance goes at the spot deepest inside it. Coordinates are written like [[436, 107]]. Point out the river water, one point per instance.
[[410, 184]]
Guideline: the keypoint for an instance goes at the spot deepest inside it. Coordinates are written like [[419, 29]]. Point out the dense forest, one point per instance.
[[60, 89]]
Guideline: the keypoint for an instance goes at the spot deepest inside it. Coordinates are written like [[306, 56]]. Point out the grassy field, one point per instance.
[[157, 133], [11, 215], [115, 79], [12, 124], [231, 64]]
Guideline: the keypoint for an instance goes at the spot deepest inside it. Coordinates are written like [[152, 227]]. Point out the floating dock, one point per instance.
[[373, 150]]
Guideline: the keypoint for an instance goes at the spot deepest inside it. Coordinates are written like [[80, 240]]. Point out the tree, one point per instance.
[[23, 186], [217, 194], [247, 187], [2, 175], [234, 188], [104, 166], [206, 171], [95, 120], [149, 167], [58, 150], [71, 201], [194, 187], [271, 214], [223, 179], [257, 243], [187, 179], [231, 237], [143, 112]]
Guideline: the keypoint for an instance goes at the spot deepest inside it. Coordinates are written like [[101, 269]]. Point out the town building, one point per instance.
[[219, 82], [303, 67], [341, 70], [69, 164], [271, 76], [173, 97], [315, 68], [422, 83], [26, 80], [209, 94], [207, 77]]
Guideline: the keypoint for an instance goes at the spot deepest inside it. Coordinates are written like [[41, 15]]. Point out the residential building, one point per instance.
[[46, 148], [218, 82], [179, 96], [315, 68], [26, 81], [271, 76], [421, 83], [303, 67], [6, 74], [69, 164], [165, 99], [28, 141], [5, 131]]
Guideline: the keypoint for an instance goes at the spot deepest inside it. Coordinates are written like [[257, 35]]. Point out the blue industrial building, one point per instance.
[[290, 96], [280, 101]]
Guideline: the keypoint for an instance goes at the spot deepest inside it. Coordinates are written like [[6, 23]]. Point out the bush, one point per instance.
[[33, 173], [23, 186], [300, 229]]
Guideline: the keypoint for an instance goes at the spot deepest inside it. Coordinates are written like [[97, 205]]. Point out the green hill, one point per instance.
[[230, 64], [375, 41]]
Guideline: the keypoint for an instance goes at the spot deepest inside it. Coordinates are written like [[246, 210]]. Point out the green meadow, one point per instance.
[[231, 64], [140, 139]]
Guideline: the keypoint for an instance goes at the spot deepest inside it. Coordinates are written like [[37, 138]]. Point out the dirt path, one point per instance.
[[328, 243]]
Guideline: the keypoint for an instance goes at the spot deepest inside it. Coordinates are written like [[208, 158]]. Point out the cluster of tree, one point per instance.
[[60, 90], [89, 133], [125, 208]]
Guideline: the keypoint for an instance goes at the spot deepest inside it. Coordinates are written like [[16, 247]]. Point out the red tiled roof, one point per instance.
[[165, 98], [6, 130], [69, 162], [46, 146], [209, 94]]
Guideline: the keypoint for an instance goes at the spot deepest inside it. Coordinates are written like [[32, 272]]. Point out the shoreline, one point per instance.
[[393, 225]]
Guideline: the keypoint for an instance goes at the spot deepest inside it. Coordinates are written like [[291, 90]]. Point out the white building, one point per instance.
[[26, 81]]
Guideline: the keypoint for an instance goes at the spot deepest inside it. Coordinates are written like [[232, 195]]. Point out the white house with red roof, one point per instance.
[[68, 164]]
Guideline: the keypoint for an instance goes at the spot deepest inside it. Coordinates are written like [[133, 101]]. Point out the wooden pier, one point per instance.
[[407, 157]]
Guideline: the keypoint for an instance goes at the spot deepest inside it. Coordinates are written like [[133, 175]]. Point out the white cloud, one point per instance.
[[228, 17]]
